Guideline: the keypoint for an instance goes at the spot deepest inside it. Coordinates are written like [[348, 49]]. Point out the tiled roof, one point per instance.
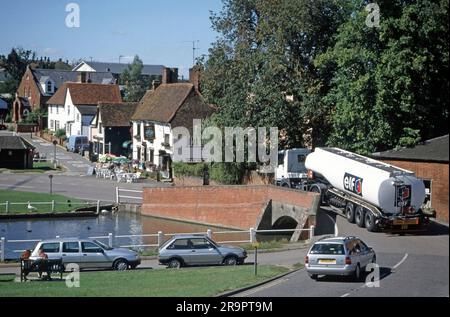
[[9, 142], [117, 115], [87, 94], [59, 77], [162, 104], [435, 150]]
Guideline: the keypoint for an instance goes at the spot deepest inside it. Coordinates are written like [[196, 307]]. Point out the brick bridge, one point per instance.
[[240, 207]]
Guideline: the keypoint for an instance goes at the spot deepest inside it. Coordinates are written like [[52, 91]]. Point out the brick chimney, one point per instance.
[[194, 78], [170, 75]]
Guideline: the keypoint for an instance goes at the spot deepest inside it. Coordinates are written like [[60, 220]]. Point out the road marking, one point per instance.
[[401, 262], [12, 185], [262, 288], [381, 277]]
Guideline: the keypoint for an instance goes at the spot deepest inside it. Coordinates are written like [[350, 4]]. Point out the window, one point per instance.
[[49, 86], [301, 158], [68, 110], [201, 244], [180, 244], [89, 247], [52, 124], [167, 139], [71, 247], [78, 117], [152, 156], [327, 248], [56, 125], [57, 109], [138, 129], [100, 128], [50, 247], [149, 133], [50, 109], [428, 186]]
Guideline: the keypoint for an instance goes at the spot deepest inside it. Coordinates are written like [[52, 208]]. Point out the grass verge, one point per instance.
[[24, 197], [192, 282]]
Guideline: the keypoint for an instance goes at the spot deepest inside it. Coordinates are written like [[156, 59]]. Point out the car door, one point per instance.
[[71, 252], [366, 254], [179, 248], [93, 256], [204, 252], [52, 249]]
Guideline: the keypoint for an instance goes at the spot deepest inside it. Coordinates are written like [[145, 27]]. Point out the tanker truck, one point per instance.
[[372, 194]]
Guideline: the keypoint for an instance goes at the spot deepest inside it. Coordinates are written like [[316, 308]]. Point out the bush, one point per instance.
[[60, 133], [227, 173], [185, 169]]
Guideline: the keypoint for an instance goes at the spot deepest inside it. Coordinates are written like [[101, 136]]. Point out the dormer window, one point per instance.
[[49, 87]]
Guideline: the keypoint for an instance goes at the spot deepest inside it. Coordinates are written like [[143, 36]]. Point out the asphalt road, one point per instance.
[[410, 265]]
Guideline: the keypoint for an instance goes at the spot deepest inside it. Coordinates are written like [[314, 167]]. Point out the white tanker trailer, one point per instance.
[[373, 194]]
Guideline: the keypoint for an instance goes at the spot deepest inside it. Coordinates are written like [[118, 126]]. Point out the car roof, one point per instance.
[[64, 240], [189, 236], [337, 239]]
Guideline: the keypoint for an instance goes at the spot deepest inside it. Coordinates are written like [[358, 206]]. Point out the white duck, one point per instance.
[[31, 208]]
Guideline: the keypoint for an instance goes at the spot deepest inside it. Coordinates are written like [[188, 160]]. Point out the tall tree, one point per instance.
[[260, 72], [389, 84], [135, 84]]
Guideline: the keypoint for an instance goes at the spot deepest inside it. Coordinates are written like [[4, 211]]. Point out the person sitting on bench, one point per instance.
[[42, 264], [25, 256]]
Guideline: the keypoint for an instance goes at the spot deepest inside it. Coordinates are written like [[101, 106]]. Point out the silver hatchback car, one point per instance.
[[186, 250], [345, 256], [88, 254]]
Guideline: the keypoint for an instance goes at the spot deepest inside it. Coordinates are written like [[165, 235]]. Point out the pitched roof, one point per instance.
[[163, 103], [9, 142], [87, 110], [434, 150], [116, 68], [118, 114], [86, 94], [59, 77]]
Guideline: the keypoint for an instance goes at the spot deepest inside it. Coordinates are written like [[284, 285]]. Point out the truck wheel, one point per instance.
[[359, 216], [369, 221], [350, 212]]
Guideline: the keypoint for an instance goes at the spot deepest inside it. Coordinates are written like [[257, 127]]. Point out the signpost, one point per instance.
[[256, 246], [54, 152]]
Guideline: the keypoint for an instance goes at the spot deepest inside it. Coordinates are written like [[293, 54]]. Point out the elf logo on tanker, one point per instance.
[[353, 184]]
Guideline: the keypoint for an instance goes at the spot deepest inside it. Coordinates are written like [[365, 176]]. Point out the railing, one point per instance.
[[119, 196], [52, 203], [161, 238]]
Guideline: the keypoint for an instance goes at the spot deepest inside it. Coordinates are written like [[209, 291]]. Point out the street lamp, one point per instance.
[[51, 183]]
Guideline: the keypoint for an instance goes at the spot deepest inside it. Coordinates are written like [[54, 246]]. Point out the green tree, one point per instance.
[[390, 82], [135, 84], [265, 54]]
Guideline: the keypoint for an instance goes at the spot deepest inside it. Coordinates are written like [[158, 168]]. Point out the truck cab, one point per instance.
[[291, 171]]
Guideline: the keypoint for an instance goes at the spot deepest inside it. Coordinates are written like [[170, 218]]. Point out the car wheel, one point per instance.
[[369, 221], [313, 276], [174, 264], [120, 265], [357, 273], [359, 216], [350, 212], [230, 261]]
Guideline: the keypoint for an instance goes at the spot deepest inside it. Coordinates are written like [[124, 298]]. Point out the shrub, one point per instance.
[[185, 169], [227, 173], [60, 133]]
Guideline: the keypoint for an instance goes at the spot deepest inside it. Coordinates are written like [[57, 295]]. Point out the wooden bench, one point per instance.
[[41, 266]]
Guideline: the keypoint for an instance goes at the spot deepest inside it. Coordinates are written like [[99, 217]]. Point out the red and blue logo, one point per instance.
[[353, 184]]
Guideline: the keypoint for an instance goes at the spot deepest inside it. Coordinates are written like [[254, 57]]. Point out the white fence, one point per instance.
[[162, 237], [135, 198], [53, 204]]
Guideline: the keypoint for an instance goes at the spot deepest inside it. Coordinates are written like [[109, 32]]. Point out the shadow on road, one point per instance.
[[325, 223], [384, 272]]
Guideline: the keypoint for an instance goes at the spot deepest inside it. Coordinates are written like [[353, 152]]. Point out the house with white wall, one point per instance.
[[163, 108], [74, 106]]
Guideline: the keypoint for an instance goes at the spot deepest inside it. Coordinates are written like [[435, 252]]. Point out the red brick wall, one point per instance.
[[438, 174], [29, 83], [227, 206]]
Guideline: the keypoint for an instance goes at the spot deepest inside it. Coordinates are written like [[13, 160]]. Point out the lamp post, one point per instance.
[[51, 183], [54, 152]]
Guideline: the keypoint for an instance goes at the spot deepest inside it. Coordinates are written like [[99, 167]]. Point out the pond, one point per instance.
[[122, 223]]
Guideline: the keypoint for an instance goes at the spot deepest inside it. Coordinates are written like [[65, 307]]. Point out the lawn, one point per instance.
[[195, 282], [39, 167], [24, 197]]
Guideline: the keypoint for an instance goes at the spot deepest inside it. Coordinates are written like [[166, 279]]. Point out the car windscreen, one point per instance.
[[328, 249], [104, 246]]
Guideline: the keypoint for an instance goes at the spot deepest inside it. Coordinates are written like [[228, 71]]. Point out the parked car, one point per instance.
[[88, 254], [189, 250], [77, 143], [345, 256]]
